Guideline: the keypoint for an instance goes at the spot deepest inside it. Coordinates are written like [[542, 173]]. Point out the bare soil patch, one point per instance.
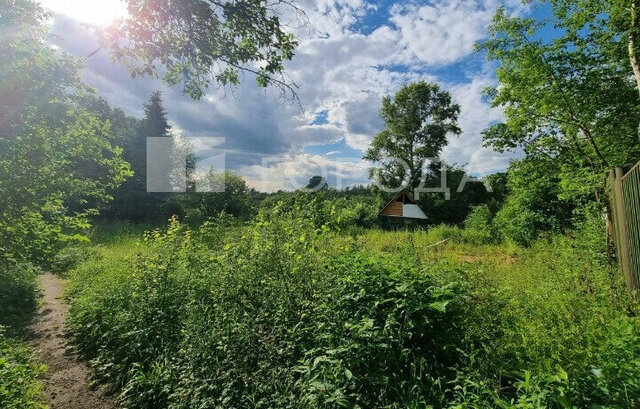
[[66, 383]]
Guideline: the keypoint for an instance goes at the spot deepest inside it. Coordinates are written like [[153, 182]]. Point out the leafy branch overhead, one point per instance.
[[197, 42], [572, 98]]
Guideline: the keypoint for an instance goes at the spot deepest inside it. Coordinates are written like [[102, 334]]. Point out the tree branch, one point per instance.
[[603, 162], [280, 83]]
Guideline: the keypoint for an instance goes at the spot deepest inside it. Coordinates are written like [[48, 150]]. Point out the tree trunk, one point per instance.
[[633, 56], [633, 32]]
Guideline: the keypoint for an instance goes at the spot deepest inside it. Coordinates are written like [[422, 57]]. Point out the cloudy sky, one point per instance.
[[351, 54]]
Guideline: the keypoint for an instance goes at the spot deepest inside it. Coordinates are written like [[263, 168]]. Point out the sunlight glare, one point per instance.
[[98, 12]]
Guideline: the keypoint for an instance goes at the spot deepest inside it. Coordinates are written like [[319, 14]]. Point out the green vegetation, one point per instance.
[[283, 313], [298, 300], [417, 121], [19, 370], [58, 164], [570, 101], [195, 42]]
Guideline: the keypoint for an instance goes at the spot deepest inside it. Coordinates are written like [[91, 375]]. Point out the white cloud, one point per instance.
[[476, 114], [445, 31], [292, 172], [339, 70]]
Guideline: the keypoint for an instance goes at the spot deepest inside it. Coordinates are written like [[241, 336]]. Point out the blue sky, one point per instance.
[[351, 54]]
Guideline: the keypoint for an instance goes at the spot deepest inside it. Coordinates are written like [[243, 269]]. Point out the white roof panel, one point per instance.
[[413, 211]]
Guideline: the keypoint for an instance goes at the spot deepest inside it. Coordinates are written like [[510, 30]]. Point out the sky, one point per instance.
[[351, 54]]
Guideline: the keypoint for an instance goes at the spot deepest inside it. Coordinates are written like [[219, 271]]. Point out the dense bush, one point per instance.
[[281, 313], [18, 291], [261, 318], [194, 208], [479, 224], [535, 203], [19, 387], [337, 210]]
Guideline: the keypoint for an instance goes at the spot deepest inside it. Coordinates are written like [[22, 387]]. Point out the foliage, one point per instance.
[[282, 313], [612, 24], [454, 208], [57, 160], [534, 204], [480, 222], [155, 123], [229, 194], [267, 316], [417, 121], [19, 371], [386, 338], [334, 209], [570, 99], [58, 163], [194, 41], [317, 182], [19, 293], [132, 201], [54, 176], [560, 335]]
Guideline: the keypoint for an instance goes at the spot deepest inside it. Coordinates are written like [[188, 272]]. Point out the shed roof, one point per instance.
[[409, 209]]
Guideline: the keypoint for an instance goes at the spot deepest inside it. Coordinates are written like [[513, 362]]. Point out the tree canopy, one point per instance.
[[195, 42], [418, 120], [571, 98], [58, 160]]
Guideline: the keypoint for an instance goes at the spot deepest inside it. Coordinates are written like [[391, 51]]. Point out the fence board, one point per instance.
[[625, 205], [631, 186]]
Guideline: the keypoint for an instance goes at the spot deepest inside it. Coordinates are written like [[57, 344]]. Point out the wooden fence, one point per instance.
[[625, 206]]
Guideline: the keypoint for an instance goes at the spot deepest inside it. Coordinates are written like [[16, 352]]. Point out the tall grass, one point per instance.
[[282, 313], [19, 372]]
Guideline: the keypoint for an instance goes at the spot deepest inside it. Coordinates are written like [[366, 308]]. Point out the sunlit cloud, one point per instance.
[[100, 13], [343, 73]]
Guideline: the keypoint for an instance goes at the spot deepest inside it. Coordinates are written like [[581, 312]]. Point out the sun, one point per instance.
[[98, 12]]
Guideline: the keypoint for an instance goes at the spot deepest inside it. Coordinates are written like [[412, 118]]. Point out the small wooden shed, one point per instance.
[[402, 209]]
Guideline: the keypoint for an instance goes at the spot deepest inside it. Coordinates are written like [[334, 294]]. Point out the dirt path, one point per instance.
[[66, 383]]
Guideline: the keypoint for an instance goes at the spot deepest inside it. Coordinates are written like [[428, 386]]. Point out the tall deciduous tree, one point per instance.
[[58, 160], [196, 41], [614, 24], [417, 121], [572, 98], [317, 182]]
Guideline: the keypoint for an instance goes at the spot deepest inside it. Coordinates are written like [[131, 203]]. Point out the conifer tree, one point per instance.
[[153, 125], [132, 201]]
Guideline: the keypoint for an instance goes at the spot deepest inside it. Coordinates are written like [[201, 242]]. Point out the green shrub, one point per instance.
[[518, 225], [333, 209], [259, 317], [68, 258], [385, 336], [19, 292], [479, 225], [19, 371]]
